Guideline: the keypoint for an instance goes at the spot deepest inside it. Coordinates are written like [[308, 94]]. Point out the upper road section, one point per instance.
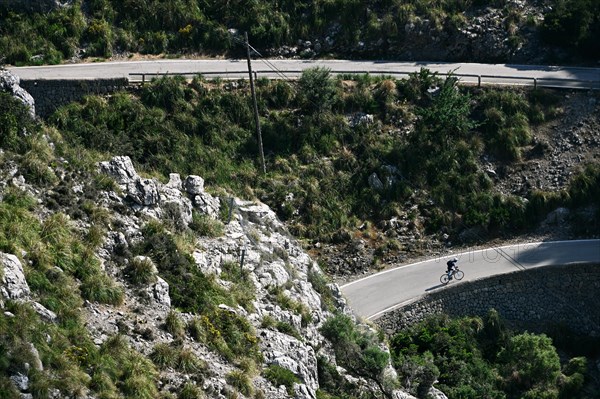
[[468, 72], [372, 296]]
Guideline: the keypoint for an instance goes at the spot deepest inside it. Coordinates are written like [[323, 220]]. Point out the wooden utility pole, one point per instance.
[[256, 120]]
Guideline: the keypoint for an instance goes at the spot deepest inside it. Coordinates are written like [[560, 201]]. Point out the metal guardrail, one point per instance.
[[468, 78]]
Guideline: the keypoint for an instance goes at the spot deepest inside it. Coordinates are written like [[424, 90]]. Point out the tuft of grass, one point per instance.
[[227, 333], [268, 322], [206, 226], [278, 376], [174, 325], [188, 362], [240, 381], [320, 284], [101, 288], [191, 391], [142, 271], [164, 356], [287, 328]]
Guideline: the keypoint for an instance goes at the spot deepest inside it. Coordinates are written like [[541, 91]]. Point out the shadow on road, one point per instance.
[[435, 287]]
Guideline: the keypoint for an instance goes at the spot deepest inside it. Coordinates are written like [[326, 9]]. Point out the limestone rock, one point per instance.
[[36, 361], [11, 83], [21, 381], [205, 264], [120, 168], [207, 204], [401, 395], [44, 313], [194, 185], [435, 393], [161, 292], [175, 181], [14, 285], [143, 192], [289, 353], [273, 274], [375, 182]]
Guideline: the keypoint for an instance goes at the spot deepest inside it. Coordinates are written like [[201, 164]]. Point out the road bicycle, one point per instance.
[[456, 274]]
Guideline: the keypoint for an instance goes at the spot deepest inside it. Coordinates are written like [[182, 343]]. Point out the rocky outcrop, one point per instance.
[[148, 195], [11, 83], [271, 257], [14, 285]]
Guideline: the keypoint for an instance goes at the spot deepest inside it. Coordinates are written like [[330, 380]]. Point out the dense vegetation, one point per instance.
[[481, 358], [103, 27], [424, 144]]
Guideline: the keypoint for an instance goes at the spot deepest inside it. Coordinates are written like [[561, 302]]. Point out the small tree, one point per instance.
[[317, 91], [530, 362]]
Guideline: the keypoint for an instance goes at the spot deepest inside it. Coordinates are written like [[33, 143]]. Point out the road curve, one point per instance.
[[493, 73], [372, 296]]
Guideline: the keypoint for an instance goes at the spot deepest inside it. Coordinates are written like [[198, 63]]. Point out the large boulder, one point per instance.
[[10, 83], [13, 281], [143, 192], [120, 168]]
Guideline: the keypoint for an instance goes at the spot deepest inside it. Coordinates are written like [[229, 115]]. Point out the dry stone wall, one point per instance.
[[51, 94], [535, 300]]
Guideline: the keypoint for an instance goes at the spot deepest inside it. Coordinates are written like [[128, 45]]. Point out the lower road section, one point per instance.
[[372, 296]]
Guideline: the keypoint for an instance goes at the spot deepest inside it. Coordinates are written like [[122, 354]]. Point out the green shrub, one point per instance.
[[356, 349], [165, 92], [573, 23], [15, 120], [316, 90], [206, 226], [142, 271], [278, 376], [226, 332], [100, 35], [529, 361]]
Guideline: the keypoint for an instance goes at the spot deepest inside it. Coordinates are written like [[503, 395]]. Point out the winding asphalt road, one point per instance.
[[550, 76], [372, 296]]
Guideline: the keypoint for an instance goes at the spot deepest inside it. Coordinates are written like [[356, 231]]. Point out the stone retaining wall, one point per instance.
[[51, 94], [535, 300]]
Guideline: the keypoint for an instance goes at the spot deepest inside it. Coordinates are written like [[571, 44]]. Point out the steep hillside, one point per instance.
[[115, 285], [381, 169]]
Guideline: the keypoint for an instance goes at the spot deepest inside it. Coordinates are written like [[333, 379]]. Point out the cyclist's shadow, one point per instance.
[[435, 287]]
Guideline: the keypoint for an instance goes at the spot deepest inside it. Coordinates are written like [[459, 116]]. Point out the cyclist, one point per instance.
[[451, 267]]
